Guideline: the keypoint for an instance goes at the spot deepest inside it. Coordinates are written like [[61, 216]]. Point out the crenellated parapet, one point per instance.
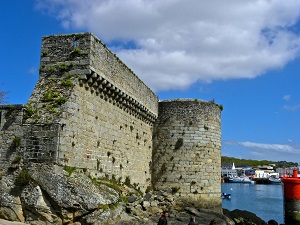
[[111, 93]]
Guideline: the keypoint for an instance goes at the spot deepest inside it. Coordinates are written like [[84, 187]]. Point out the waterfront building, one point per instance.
[[229, 172], [286, 172]]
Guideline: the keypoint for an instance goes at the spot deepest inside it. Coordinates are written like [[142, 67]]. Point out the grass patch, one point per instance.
[[69, 169]]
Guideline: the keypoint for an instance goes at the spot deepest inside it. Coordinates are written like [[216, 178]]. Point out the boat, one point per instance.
[[275, 180], [225, 195], [241, 179]]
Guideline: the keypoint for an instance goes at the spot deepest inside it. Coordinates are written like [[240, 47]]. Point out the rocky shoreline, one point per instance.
[[42, 194]]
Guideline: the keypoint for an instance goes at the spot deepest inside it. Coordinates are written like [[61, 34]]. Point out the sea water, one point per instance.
[[264, 200]]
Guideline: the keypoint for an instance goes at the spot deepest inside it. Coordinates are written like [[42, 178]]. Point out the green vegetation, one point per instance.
[[127, 181], [227, 161], [76, 52], [16, 141], [42, 68], [44, 52], [17, 159], [53, 96], [49, 96], [51, 69], [67, 83], [220, 107], [23, 178], [69, 169], [63, 67], [184, 202], [29, 112]]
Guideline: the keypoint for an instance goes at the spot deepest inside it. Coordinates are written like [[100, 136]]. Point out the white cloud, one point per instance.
[[263, 151], [287, 97], [32, 70], [269, 147], [291, 107], [182, 42]]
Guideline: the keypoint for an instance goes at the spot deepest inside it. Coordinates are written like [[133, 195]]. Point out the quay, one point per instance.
[[262, 180], [257, 180]]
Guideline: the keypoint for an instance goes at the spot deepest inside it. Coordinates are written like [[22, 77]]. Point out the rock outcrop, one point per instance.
[[47, 194], [43, 194]]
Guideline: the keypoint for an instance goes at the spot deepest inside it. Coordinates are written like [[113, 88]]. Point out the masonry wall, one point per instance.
[[99, 113], [187, 148], [10, 136]]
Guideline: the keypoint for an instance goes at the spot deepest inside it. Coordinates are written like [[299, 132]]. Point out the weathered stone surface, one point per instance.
[[243, 217], [76, 191], [6, 222], [132, 198], [187, 145], [45, 194], [10, 203]]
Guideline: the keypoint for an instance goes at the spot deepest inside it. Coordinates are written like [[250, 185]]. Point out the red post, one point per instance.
[[292, 199]]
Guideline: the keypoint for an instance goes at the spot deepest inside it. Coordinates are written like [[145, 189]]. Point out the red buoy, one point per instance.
[[292, 199]]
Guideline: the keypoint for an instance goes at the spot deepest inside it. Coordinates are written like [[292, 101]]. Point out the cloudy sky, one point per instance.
[[243, 54]]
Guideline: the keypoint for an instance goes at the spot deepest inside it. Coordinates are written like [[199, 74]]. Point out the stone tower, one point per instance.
[[187, 148], [89, 110]]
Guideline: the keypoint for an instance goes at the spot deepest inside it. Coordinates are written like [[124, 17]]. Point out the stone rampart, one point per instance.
[[98, 114], [89, 110], [186, 148]]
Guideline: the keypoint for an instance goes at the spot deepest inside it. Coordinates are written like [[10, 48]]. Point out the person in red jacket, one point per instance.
[[163, 220]]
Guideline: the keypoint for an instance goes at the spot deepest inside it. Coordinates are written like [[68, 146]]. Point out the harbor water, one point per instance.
[[264, 200]]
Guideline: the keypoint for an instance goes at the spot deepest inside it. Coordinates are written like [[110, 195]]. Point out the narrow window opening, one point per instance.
[[75, 44]]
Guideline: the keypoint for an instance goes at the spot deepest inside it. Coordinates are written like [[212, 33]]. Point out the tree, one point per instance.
[[3, 96]]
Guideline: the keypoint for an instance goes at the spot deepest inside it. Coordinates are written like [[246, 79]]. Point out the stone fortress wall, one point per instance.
[[89, 110], [10, 132]]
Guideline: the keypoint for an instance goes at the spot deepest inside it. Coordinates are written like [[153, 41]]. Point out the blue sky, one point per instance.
[[243, 54]]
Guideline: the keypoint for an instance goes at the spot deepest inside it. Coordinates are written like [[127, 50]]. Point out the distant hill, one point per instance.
[[227, 161]]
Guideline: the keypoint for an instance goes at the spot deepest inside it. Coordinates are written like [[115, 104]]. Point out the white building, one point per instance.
[[229, 172]]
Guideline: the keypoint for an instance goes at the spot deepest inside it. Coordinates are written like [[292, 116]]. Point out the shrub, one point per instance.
[[28, 112], [66, 83], [69, 169], [220, 107], [16, 141], [63, 67], [23, 177]]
